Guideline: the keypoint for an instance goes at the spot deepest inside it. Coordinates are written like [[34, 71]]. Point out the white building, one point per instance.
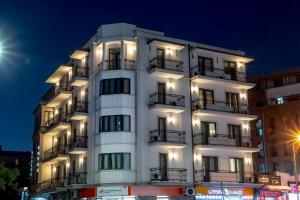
[[135, 113]]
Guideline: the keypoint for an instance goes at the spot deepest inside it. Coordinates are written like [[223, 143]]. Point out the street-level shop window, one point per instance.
[[114, 161]]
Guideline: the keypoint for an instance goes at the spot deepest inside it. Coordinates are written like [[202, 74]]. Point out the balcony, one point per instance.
[[55, 154], [213, 76], [53, 183], [168, 138], [57, 94], [80, 76], [224, 177], [221, 108], [78, 145], [59, 73], [201, 140], [167, 102], [115, 64], [166, 68], [79, 110], [56, 124], [168, 175], [78, 178]]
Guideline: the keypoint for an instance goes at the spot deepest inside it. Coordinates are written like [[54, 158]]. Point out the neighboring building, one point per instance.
[[134, 113], [21, 161], [275, 100]]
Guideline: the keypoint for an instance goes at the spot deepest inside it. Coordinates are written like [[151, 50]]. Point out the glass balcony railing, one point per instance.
[[167, 136], [224, 176], [168, 174], [167, 99], [222, 140], [168, 64]]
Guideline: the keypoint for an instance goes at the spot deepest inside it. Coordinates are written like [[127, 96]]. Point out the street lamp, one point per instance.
[[295, 165]]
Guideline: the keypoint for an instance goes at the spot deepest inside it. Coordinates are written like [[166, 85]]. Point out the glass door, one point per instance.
[[163, 166], [161, 88], [234, 132], [161, 58], [208, 129], [162, 129], [236, 166], [209, 164], [206, 97], [114, 59], [232, 100]]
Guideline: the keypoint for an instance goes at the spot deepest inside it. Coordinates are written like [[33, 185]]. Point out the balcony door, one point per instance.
[[114, 59], [161, 90], [161, 58], [206, 97], [234, 132], [236, 166], [209, 164], [205, 64], [230, 68], [162, 127], [232, 100], [163, 166], [208, 129]]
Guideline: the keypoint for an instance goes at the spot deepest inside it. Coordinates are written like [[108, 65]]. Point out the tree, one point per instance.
[[8, 177]]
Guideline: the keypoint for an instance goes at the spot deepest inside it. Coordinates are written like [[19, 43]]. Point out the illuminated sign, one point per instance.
[[112, 191], [205, 191], [269, 179]]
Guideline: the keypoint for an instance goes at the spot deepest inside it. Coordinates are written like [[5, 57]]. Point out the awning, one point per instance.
[[281, 188]]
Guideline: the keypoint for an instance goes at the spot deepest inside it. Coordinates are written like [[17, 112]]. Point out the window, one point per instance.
[[289, 168], [114, 123], [234, 131], [275, 166], [236, 165], [278, 82], [288, 149], [262, 167], [205, 63], [229, 66], [272, 126], [114, 161], [274, 151], [285, 122], [115, 86]]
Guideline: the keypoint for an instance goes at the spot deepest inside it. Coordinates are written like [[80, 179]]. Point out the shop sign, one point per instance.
[[224, 191], [269, 179], [293, 186], [269, 193], [112, 191]]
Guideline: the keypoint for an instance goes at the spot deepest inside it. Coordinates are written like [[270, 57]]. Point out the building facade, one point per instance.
[[275, 100], [137, 114]]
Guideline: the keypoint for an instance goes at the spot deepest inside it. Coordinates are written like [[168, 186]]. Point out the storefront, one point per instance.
[[130, 192], [224, 193], [265, 194]]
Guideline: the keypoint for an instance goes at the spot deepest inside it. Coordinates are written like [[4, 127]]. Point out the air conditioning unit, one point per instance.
[[189, 191], [155, 138], [156, 175]]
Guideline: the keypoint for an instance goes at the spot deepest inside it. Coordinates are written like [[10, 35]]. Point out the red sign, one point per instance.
[[269, 193]]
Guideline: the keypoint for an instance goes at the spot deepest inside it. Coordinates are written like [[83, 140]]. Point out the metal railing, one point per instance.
[[223, 106], [80, 106], [168, 136], [168, 174], [218, 73], [167, 99], [78, 142], [78, 178], [53, 183], [54, 151], [60, 117], [80, 71], [223, 176], [116, 65], [223, 140], [169, 64]]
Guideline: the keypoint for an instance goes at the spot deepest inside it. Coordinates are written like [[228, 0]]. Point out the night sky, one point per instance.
[[38, 36]]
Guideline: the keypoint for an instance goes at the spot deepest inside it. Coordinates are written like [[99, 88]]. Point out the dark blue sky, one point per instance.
[[39, 36]]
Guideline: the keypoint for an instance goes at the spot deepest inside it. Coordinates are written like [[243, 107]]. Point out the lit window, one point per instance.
[[279, 100]]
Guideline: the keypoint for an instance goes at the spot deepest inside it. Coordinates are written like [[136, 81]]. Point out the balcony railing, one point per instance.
[[167, 99], [168, 174], [169, 64], [78, 178], [115, 64], [224, 177], [54, 151], [78, 142], [223, 140], [61, 117], [223, 106], [80, 71], [218, 73], [80, 106], [53, 183], [167, 136], [55, 89]]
